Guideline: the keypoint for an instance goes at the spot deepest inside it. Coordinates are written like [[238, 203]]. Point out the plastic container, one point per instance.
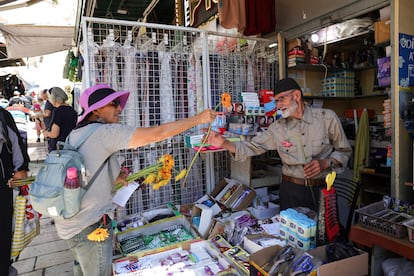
[[71, 193], [71, 180], [410, 227], [377, 217]]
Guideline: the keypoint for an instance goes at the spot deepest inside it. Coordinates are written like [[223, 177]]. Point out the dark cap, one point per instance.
[[287, 84]]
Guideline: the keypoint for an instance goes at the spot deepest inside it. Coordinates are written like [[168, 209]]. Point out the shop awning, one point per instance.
[[34, 40]]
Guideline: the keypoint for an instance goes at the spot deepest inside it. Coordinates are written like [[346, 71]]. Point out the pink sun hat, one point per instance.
[[98, 96]]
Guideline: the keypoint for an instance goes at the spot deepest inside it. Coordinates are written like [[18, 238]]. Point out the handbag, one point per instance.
[[26, 222]]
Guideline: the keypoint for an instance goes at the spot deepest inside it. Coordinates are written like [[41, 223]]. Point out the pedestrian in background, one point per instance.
[[64, 118], [14, 165]]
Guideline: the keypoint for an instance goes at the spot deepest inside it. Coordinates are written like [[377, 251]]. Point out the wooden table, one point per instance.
[[378, 241], [371, 238]]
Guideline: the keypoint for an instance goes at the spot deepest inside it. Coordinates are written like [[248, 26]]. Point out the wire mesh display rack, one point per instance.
[[173, 73]]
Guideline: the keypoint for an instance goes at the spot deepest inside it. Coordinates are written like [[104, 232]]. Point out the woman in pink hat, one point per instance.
[[103, 105]]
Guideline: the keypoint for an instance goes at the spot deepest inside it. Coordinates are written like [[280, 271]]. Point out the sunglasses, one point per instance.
[[115, 103]]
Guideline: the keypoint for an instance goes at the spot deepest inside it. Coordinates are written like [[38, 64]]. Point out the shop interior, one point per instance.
[[344, 65]]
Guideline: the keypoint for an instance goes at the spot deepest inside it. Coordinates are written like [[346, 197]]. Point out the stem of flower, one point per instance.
[[199, 149]]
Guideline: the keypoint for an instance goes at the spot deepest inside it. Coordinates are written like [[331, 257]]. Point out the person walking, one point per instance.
[[103, 105], [14, 164], [63, 120], [310, 142]]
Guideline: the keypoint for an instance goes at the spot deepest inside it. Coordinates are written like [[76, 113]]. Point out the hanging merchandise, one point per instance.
[[166, 104], [362, 141], [66, 67], [110, 54], [130, 81], [73, 68]]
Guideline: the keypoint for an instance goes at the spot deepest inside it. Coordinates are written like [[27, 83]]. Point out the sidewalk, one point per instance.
[[47, 254]]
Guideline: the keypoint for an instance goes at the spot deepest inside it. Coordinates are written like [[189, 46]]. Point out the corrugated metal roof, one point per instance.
[[132, 10]]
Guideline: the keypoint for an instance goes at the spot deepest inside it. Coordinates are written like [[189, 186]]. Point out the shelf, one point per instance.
[[347, 38], [376, 191], [323, 68], [373, 143], [346, 98]]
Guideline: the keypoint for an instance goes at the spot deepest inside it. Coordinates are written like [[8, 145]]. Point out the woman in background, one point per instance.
[[63, 120]]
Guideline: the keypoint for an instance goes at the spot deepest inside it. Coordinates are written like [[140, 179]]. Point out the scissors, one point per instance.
[[303, 264], [285, 255]]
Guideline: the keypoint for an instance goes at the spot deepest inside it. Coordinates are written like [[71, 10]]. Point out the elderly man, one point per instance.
[[310, 141]]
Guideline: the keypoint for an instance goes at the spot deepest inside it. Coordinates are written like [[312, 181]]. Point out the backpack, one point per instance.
[[47, 192]]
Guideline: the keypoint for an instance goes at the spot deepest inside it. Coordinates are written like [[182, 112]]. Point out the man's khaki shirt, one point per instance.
[[318, 135]]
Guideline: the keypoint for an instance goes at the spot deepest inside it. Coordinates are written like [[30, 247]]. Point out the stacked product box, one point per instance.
[[384, 71], [339, 84], [297, 229]]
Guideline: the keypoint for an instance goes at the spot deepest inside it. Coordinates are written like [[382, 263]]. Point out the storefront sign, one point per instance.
[[406, 60]]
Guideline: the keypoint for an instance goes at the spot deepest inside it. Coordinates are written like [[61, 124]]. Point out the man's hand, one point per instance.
[[313, 168], [215, 139]]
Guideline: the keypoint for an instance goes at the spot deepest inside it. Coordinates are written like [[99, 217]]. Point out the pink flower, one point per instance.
[[286, 144]]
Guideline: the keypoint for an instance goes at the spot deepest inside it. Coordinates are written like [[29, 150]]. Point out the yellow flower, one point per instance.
[[163, 182], [98, 235], [151, 178], [180, 175], [157, 175], [226, 99]]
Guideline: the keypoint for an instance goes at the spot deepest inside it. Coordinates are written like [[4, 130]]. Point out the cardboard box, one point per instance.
[[240, 195], [152, 228], [262, 212], [239, 258], [382, 31], [292, 43], [231, 194], [206, 217], [356, 265], [206, 256], [256, 242]]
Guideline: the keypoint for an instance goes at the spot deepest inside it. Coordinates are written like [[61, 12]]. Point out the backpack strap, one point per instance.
[[85, 136], [88, 132]]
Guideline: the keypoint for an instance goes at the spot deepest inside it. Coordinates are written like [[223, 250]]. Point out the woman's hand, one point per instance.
[[20, 175], [207, 116]]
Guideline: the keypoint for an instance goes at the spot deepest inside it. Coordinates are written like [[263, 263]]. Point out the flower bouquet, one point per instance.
[[157, 175]]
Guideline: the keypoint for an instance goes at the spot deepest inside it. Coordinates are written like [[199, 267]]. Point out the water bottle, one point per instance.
[[71, 180], [71, 193]]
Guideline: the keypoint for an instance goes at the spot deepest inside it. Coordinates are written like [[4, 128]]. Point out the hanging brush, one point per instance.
[[331, 212]]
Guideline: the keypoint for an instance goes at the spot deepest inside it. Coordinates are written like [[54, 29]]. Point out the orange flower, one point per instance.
[[164, 173], [226, 99], [168, 161], [98, 235]]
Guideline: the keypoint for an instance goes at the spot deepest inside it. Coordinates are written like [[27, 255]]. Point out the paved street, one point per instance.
[[46, 255]]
